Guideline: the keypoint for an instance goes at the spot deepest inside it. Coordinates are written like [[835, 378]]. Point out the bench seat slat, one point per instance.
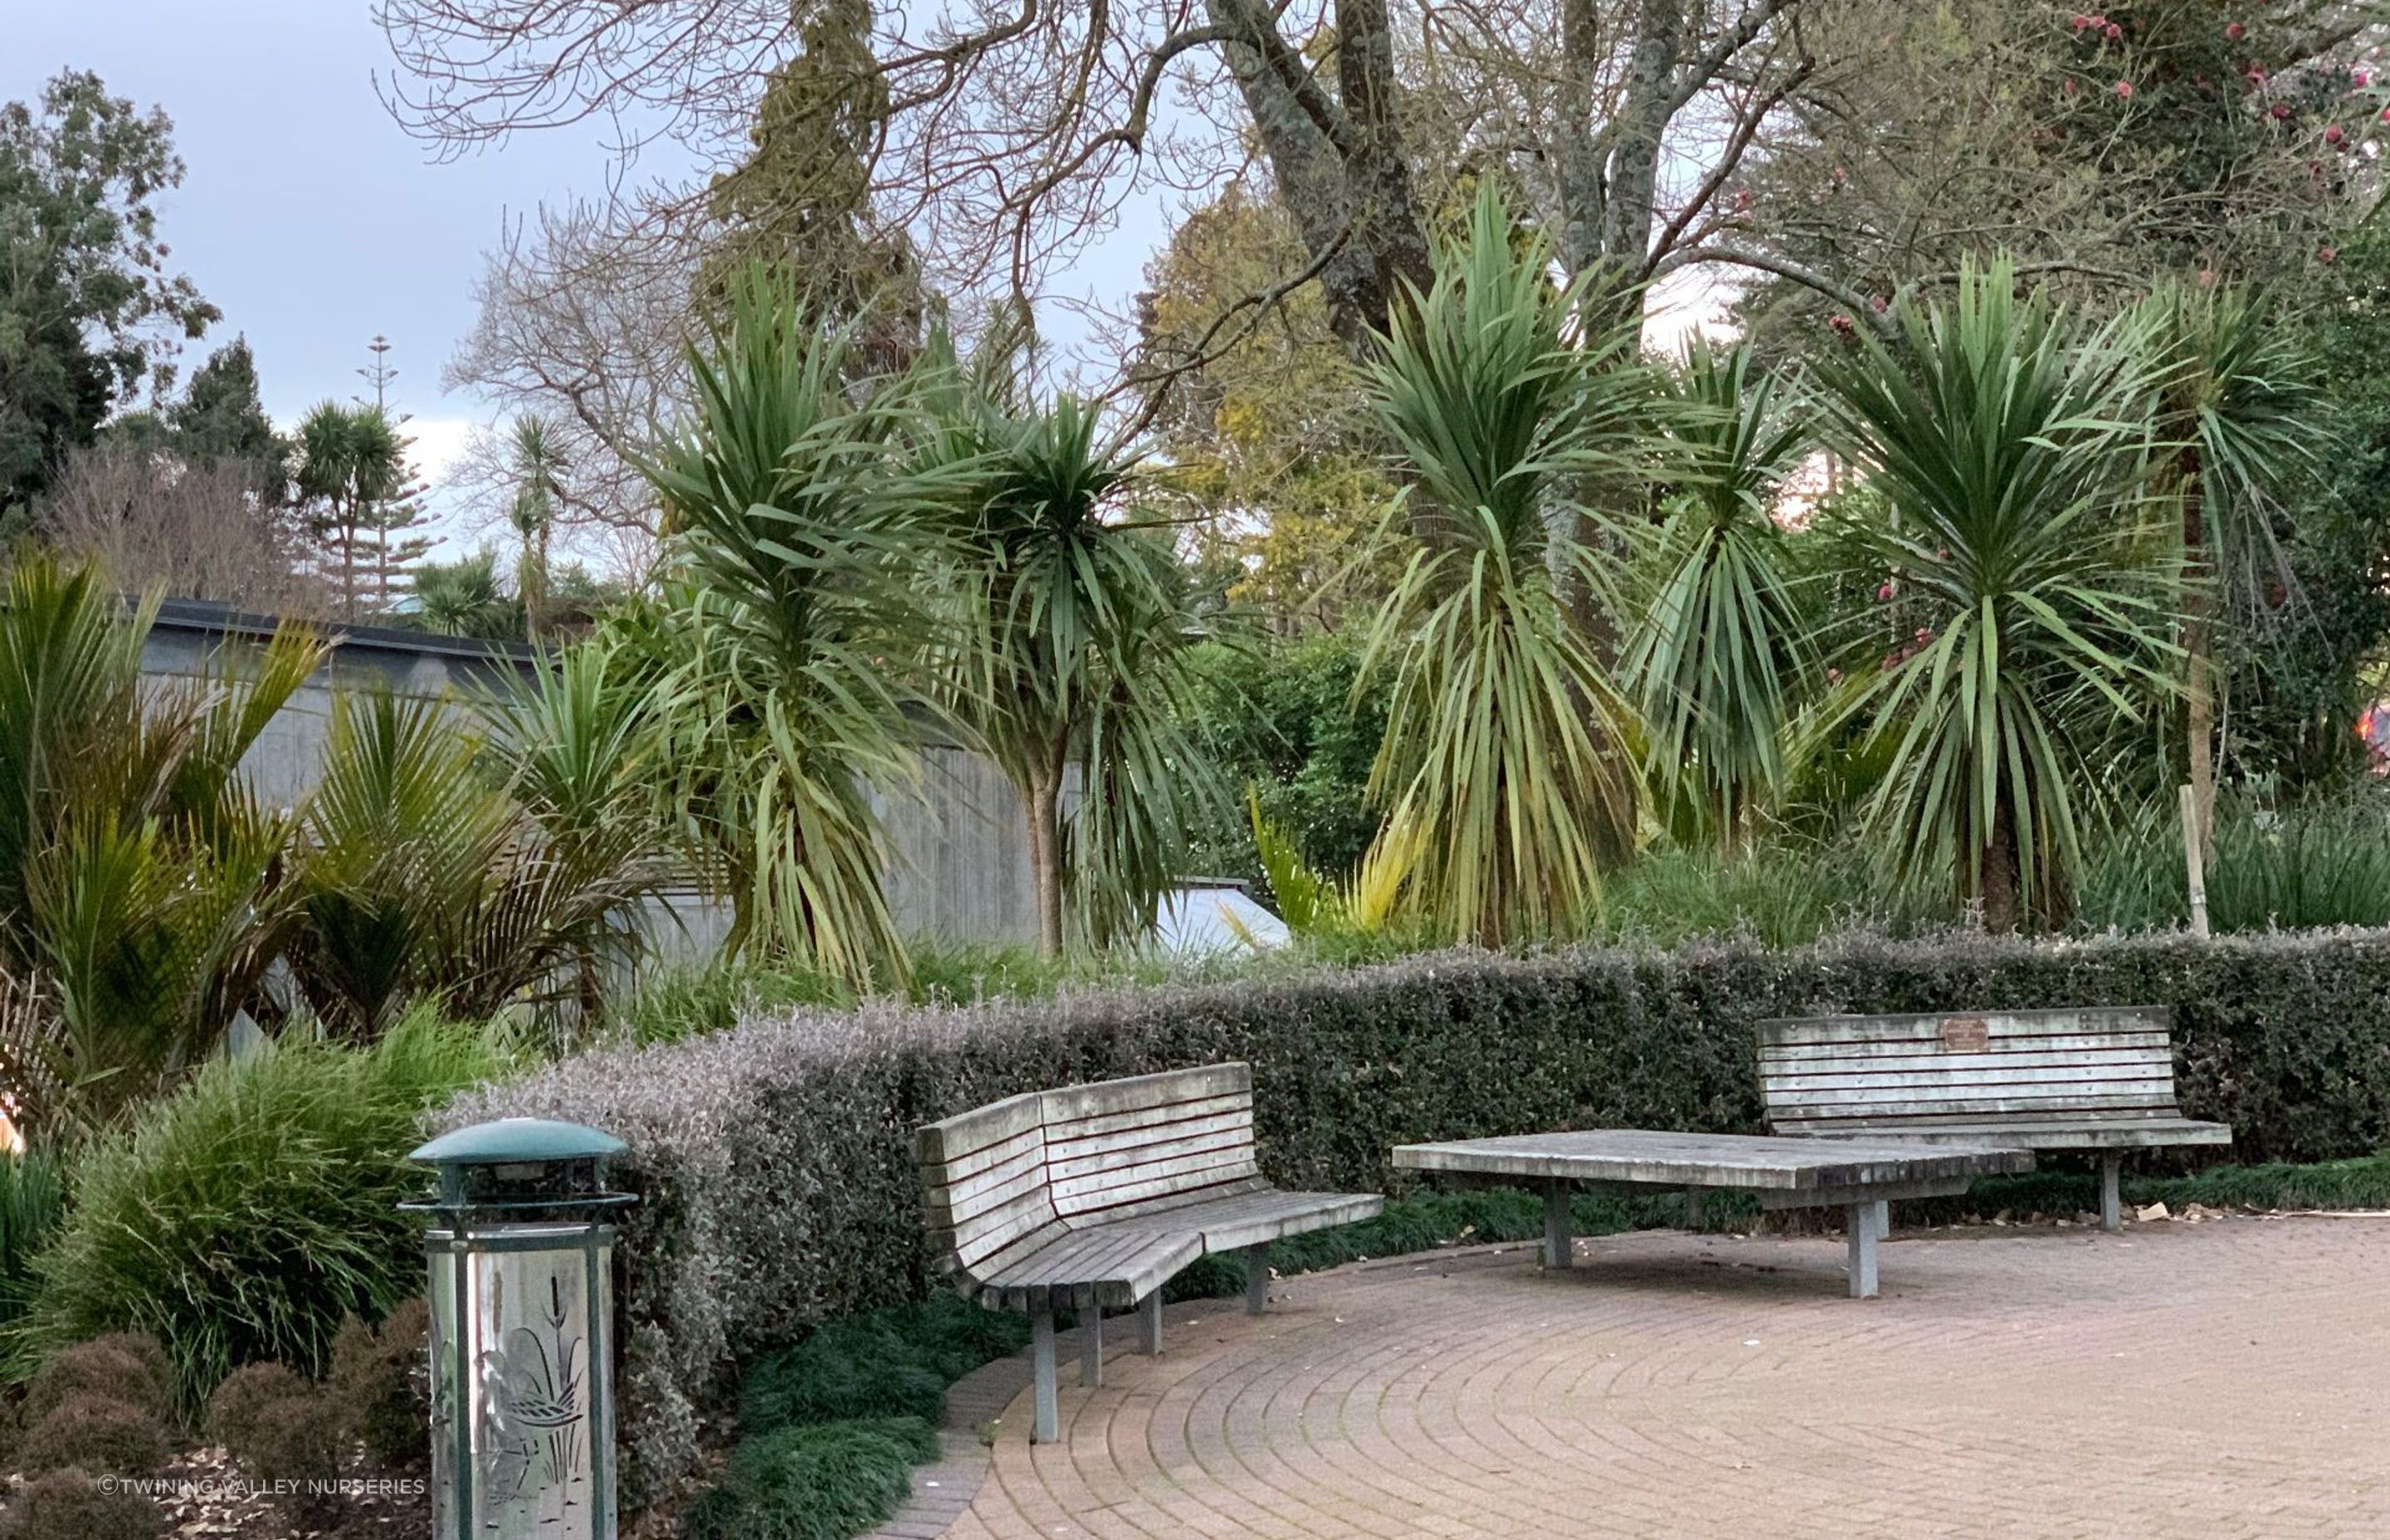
[[1779, 1055]]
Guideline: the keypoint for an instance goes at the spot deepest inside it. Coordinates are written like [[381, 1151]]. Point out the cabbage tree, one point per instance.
[[1507, 748], [2010, 440]]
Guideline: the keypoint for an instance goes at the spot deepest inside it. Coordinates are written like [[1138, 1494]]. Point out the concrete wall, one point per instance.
[[959, 854]]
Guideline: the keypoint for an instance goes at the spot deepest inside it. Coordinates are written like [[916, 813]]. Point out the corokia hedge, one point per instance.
[[776, 1163]]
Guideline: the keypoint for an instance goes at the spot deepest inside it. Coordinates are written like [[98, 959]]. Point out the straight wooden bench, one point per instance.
[[2096, 1078], [1092, 1197]]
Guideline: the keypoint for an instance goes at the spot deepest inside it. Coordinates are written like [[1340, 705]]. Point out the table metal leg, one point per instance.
[[1859, 1221], [1149, 1321], [1560, 1243]]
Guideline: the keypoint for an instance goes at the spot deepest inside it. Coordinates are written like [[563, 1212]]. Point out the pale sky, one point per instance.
[[314, 221]]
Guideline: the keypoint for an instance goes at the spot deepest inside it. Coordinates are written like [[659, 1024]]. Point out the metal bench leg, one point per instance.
[[1257, 1280], [1859, 1223], [1048, 1424], [2111, 1203], [1883, 1217], [1559, 1245], [1696, 1207], [1149, 1324], [1091, 1346]]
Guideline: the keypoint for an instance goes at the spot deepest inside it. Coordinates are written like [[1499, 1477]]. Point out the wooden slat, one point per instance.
[[1060, 1146], [1927, 1080], [2072, 1019], [1140, 1119], [1003, 1152], [1103, 1191], [1155, 1155], [1666, 1158], [1073, 1102], [1999, 1048], [1899, 1103], [948, 1138]]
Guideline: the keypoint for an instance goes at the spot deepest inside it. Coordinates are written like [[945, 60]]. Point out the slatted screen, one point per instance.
[[1883, 1073]]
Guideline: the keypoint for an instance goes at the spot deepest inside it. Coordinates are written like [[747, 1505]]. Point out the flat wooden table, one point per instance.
[[1859, 1176]]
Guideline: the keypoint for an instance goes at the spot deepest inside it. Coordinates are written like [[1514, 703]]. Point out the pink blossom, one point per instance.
[[2081, 22], [1840, 323], [1879, 303], [1924, 635], [2333, 135], [1834, 676], [2282, 111], [2124, 89], [2254, 75], [2327, 254], [1884, 594], [2235, 31], [2115, 32], [2361, 77]]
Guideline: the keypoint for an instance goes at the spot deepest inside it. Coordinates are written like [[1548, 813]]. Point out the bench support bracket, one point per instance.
[[1257, 1280], [1048, 1424], [2111, 1204]]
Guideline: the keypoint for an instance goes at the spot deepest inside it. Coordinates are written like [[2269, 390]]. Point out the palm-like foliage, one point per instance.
[[350, 459], [462, 598], [1069, 646], [783, 701], [2009, 441], [427, 875], [2238, 413], [1714, 654], [1505, 739], [539, 492], [141, 893]]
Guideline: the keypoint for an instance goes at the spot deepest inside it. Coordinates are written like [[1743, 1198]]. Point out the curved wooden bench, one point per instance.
[[2093, 1077], [1091, 1198]]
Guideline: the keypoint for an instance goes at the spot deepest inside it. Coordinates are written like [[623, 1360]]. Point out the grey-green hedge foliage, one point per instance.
[[776, 1163]]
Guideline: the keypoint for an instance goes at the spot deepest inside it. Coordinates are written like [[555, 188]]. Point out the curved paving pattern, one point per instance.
[[2212, 1382]]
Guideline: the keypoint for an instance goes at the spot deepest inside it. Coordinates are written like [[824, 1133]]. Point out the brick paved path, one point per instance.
[[2207, 1382]]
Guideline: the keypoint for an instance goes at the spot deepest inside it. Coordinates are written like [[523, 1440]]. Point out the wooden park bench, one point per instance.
[[2095, 1078], [1091, 1198]]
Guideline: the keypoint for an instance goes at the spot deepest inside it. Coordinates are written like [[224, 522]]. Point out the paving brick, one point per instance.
[[2176, 1382]]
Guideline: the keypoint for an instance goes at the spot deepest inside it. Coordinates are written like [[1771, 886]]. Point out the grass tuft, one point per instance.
[[821, 1480]]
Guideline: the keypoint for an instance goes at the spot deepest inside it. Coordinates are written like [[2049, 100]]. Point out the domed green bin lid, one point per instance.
[[512, 1141]]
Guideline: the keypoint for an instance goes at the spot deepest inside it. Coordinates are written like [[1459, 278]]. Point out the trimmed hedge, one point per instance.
[[776, 1168]]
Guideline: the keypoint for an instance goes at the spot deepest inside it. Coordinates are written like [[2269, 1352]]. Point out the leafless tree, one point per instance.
[[197, 531], [1018, 131], [584, 319]]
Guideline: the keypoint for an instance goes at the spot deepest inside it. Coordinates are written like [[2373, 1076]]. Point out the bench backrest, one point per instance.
[[1882, 1074], [1011, 1173]]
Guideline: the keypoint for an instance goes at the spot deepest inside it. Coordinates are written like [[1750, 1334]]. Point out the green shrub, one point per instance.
[[122, 1366], [277, 1426], [68, 1505], [1781, 894], [2300, 866], [693, 999], [92, 1432], [244, 1216], [33, 1199], [779, 1186], [822, 1481], [382, 1381], [890, 1363]]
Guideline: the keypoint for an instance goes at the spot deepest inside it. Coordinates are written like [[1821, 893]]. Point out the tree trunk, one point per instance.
[[2003, 902], [2198, 649], [1044, 799]]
